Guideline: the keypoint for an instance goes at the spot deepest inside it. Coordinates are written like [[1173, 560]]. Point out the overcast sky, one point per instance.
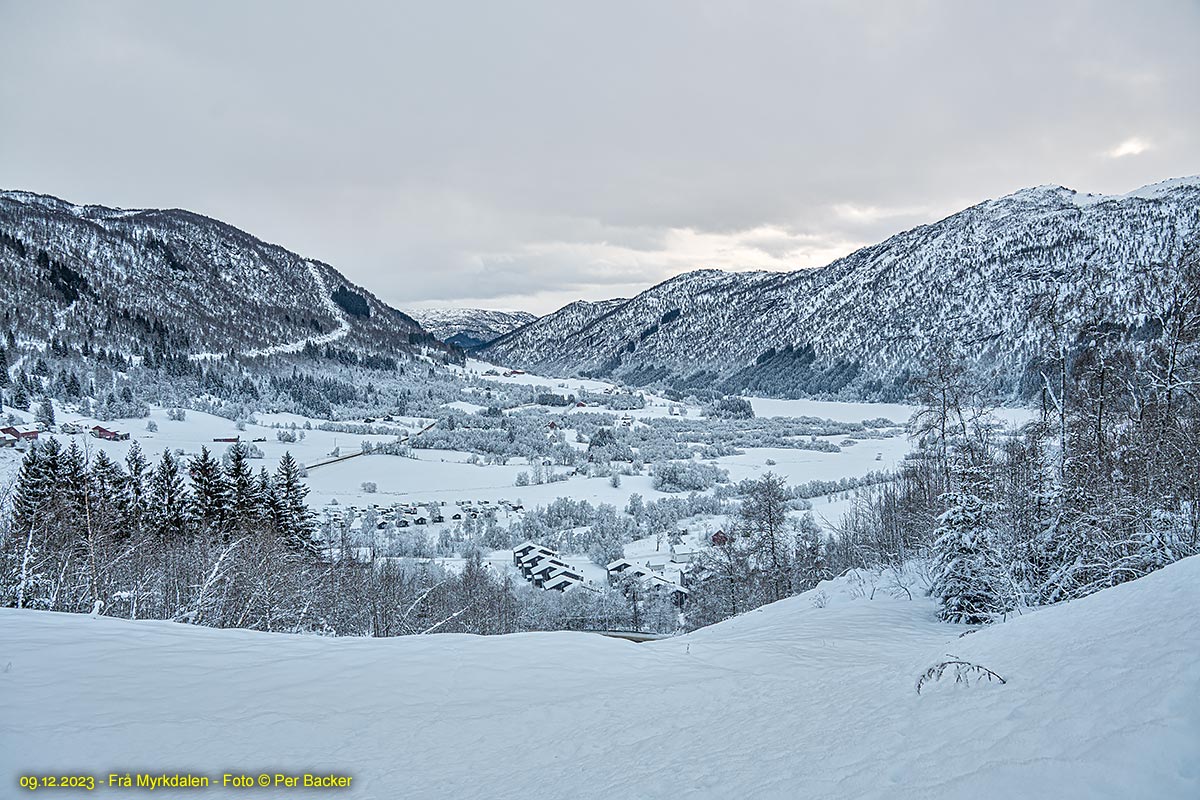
[[523, 155]]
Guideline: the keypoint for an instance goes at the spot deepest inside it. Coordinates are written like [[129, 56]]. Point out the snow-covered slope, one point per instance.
[[863, 321], [131, 280], [470, 327], [810, 697]]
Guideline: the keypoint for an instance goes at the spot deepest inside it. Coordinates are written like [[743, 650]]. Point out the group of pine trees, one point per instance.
[[207, 541]]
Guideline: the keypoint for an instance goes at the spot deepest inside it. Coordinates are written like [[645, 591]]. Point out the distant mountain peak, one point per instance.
[[469, 328]]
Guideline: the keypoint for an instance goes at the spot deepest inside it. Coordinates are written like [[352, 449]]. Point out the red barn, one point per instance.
[[720, 538], [23, 432], [104, 433]]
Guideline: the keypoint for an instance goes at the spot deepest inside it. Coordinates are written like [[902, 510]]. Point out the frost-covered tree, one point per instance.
[[243, 492], [168, 499], [969, 582], [45, 412], [210, 492], [20, 397], [763, 522], [810, 565]]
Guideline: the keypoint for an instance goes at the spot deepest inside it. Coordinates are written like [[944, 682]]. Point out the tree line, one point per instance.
[[209, 541]]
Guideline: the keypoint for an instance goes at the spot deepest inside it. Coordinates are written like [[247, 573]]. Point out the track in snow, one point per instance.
[[340, 332]]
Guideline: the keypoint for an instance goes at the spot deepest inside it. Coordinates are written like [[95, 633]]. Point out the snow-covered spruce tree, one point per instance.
[[168, 499], [135, 489], [45, 413], [293, 519], [20, 397], [25, 581], [210, 494], [243, 490], [969, 581]]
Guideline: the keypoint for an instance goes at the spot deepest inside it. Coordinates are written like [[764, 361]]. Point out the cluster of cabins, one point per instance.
[[21, 435], [661, 572], [404, 515], [541, 566], [665, 572]]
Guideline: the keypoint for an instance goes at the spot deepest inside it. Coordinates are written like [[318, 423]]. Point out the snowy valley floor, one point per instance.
[[794, 700]]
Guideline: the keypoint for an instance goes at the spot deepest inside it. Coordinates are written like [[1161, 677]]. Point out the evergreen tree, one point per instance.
[[24, 582], [73, 483], [108, 481], [243, 491], [20, 397], [293, 519], [45, 413], [167, 499], [135, 489], [4, 379], [969, 581], [36, 484], [210, 493], [267, 510]]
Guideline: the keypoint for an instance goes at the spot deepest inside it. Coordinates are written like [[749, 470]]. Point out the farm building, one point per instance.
[[26, 432]]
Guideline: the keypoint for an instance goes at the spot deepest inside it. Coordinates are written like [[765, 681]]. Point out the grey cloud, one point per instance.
[[543, 150]]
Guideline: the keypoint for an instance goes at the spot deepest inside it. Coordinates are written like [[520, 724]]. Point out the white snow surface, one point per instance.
[[799, 699]]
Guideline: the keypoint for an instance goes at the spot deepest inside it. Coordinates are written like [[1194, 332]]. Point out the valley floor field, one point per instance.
[[814, 696], [448, 476]]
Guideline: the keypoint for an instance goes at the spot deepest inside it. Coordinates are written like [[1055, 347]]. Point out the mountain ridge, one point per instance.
[[132, 280], [862, 325]]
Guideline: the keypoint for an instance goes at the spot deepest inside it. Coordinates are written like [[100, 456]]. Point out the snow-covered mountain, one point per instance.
[[470, 327], [133, 280], [862, 324]]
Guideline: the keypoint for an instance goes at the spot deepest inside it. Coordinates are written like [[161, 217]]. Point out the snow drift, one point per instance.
[[813, 696]]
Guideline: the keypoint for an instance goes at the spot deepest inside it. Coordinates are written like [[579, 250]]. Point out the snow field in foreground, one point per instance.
[[813, 696]]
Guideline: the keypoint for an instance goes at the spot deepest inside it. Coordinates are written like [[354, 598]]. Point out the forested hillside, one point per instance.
[[170, 284], [1004, 281]]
